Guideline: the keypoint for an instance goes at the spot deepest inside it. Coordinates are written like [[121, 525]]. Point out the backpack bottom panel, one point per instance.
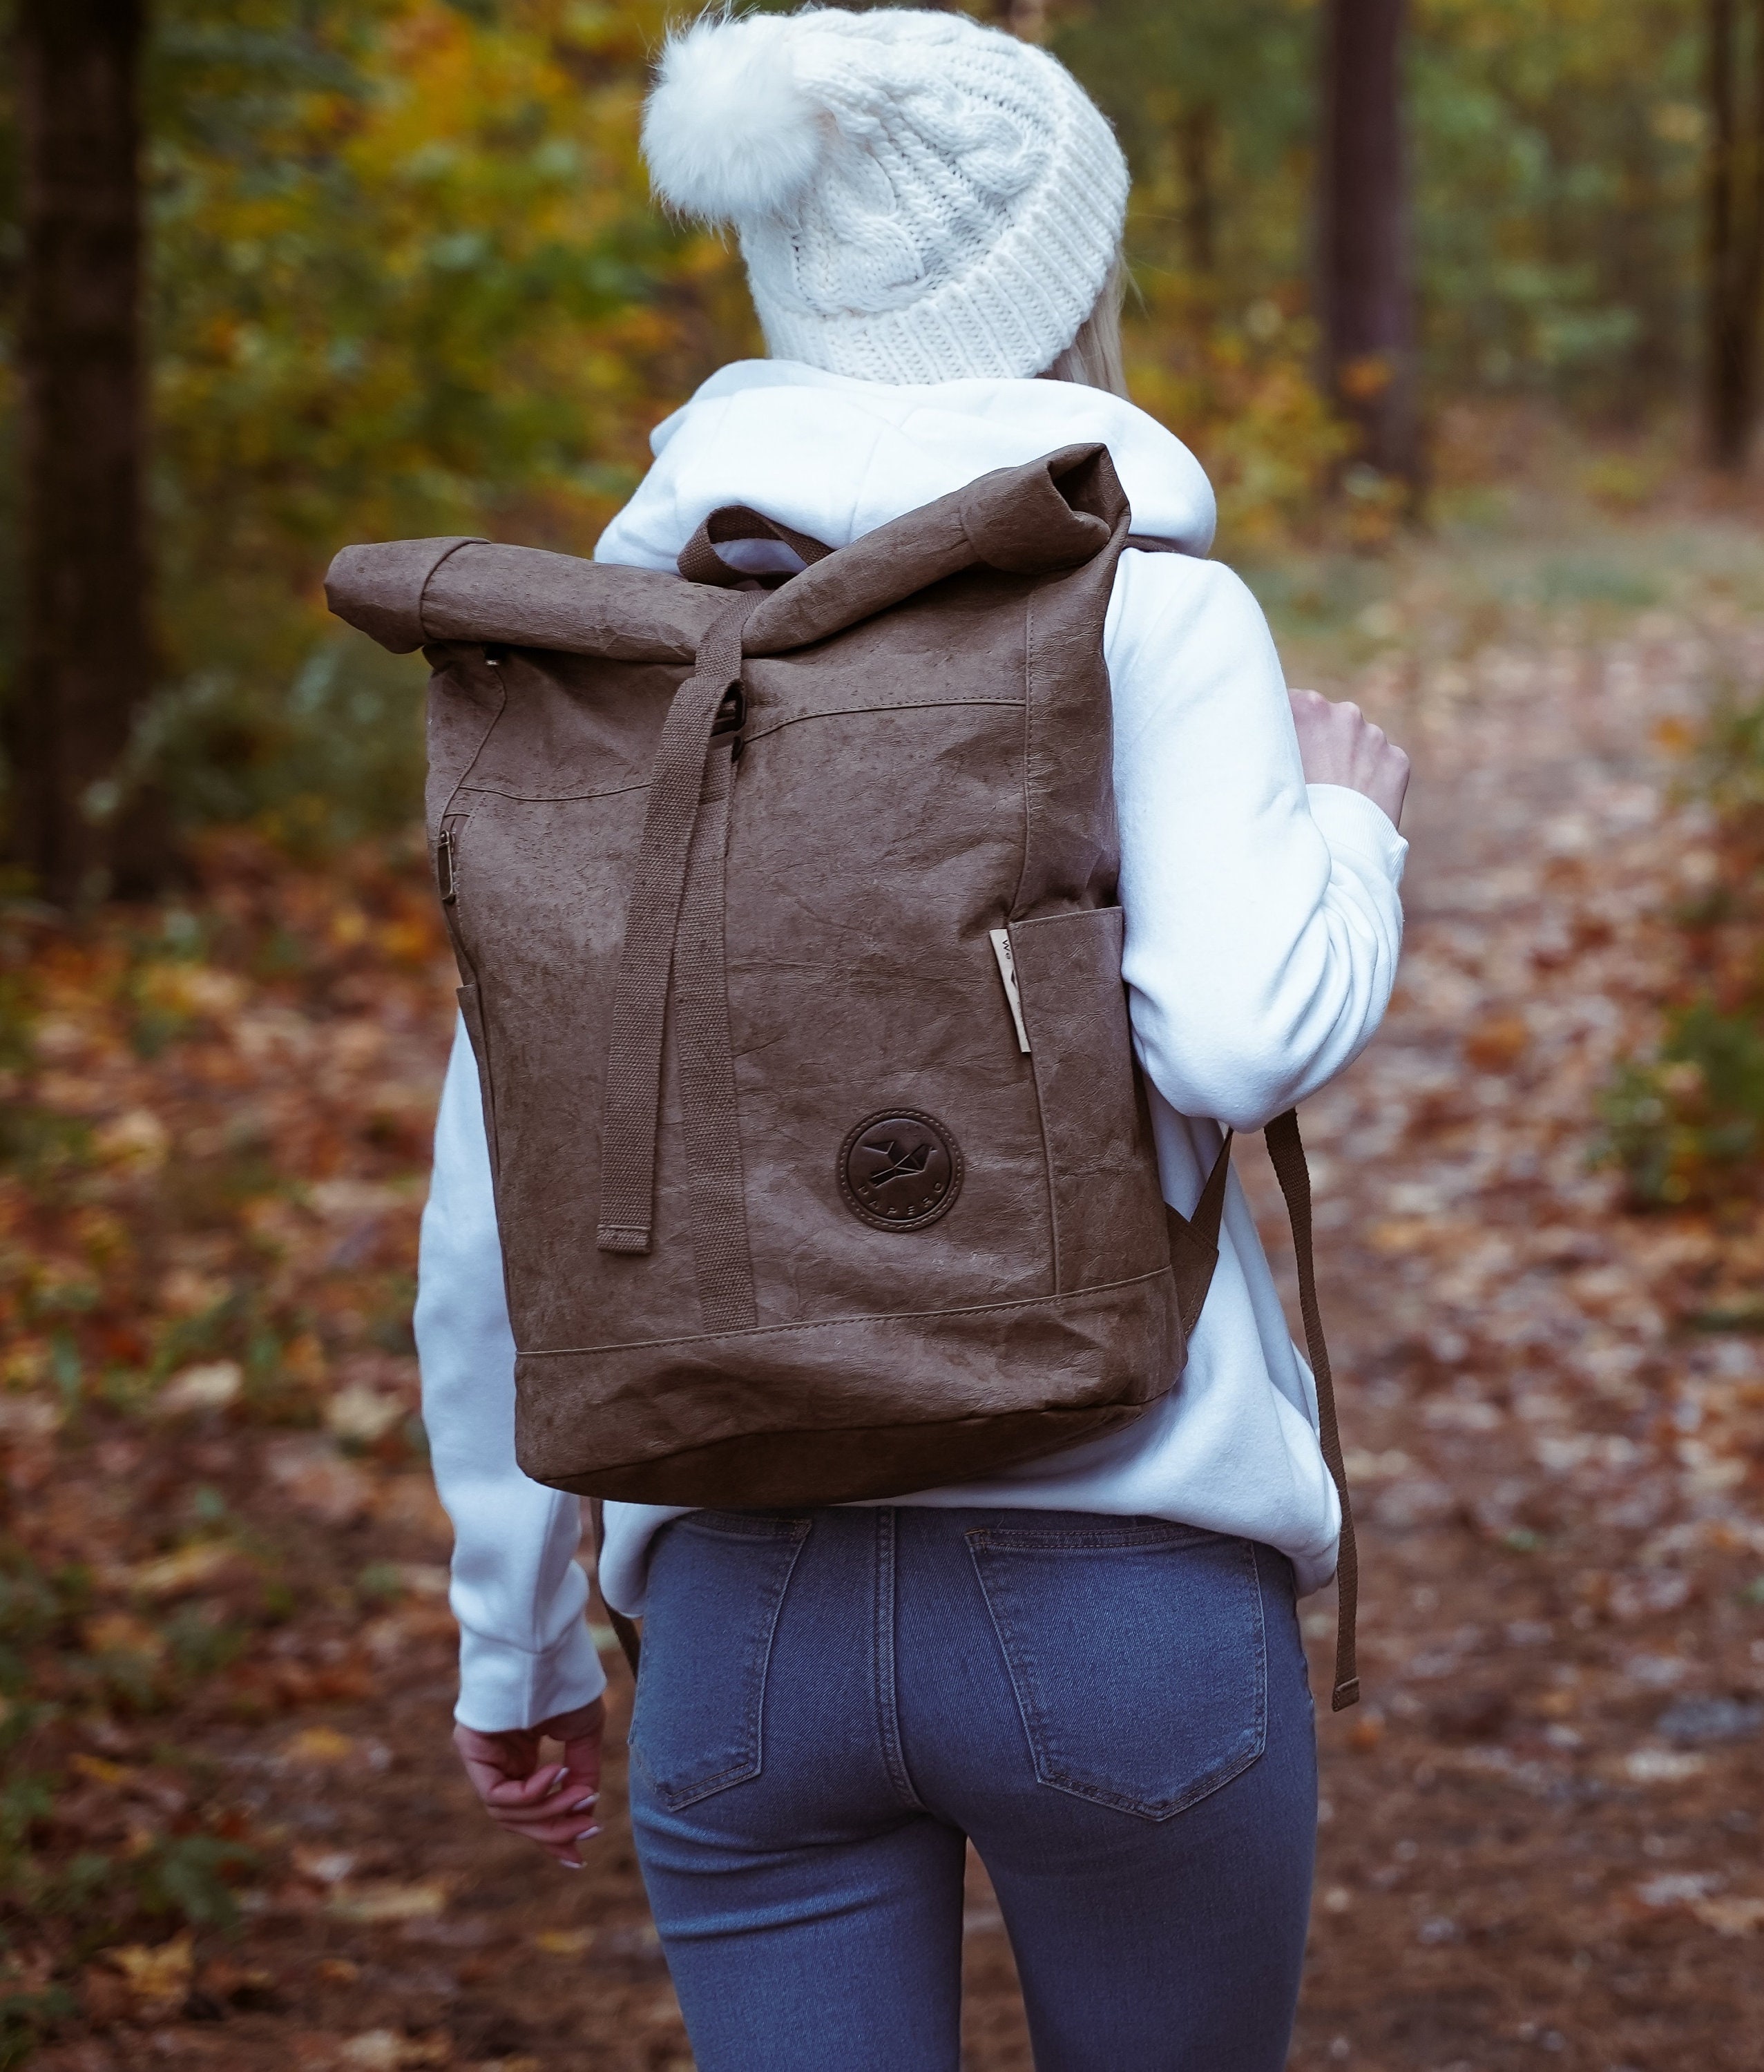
[[854, 1408]]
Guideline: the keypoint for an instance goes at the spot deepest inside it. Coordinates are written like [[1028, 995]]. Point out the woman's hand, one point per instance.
[[1340, 745], [554, 1806]]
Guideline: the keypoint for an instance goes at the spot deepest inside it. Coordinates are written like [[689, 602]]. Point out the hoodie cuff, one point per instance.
[[1353, 825], [502, 1688]]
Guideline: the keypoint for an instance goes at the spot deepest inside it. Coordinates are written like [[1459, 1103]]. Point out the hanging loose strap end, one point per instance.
[[1286, 1154], [1346, 1683]]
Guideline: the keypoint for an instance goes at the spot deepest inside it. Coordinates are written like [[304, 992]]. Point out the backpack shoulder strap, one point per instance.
[[1149, 543], [700, 562]]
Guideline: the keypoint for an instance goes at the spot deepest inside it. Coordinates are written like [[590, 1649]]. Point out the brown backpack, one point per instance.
[[785, 917]]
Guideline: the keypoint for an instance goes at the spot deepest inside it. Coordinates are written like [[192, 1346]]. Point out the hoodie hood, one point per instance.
[[835, 458]]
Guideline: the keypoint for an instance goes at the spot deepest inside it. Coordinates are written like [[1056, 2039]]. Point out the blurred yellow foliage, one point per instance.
[[407, 281]]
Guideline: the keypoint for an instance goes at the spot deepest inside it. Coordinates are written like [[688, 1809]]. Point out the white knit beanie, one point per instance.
[[918, 198]]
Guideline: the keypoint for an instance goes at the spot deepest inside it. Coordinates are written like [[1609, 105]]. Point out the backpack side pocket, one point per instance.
[[471, 1010], [1102, 1163]]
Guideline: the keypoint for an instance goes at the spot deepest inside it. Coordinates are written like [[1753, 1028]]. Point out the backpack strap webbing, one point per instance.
[[1193, 1253], [1286, 1154], [700, 562], [673, 942], [659, 888]]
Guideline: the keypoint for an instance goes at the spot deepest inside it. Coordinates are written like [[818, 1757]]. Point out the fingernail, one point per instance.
[[583, 1805], [587, 1835], [569, 1866]]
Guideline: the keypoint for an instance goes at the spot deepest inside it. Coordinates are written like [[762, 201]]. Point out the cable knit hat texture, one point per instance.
[[918, 198]]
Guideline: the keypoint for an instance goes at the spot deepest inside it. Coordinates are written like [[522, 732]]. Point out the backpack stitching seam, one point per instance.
[[834, 1323], [796, 719]]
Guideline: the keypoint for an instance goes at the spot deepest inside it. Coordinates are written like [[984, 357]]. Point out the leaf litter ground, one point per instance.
[[232, 1833]]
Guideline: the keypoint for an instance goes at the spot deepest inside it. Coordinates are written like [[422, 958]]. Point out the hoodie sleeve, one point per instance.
[[525, 1653], [1263, 915]]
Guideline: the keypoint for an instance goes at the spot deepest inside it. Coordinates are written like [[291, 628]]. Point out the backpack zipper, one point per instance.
[[446, 856]]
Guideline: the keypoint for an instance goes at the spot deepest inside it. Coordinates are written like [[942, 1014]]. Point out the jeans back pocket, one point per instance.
[[717, 1584], [1138, 1653]]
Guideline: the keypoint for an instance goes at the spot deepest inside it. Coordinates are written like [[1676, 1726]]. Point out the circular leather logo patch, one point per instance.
[[900, 1170]]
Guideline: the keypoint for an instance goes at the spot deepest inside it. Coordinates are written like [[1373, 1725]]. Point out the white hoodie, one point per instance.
[[1263, 924]]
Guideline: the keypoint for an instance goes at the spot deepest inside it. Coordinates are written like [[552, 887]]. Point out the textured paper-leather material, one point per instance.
[[842, 1404], [925, 757]]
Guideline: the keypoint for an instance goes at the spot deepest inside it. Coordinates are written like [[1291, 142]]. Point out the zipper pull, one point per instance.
[[444, 868]]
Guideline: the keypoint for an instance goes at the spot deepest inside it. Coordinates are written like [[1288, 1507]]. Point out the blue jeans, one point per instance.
[[1114, 1710]]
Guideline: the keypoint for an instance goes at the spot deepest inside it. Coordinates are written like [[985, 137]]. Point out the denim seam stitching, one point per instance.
[[887, 1689], [1261, 1655], [762, 1528]]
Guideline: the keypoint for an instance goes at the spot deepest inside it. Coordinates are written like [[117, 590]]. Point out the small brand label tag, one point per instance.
[[1007, 971]]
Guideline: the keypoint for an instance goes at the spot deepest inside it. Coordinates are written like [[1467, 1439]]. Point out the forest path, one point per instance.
[[1540, 1843]]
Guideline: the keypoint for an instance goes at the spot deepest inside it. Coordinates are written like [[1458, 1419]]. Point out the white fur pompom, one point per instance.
[[728, 133]]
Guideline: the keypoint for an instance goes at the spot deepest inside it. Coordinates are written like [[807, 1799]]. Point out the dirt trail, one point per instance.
[[1540, 1842]]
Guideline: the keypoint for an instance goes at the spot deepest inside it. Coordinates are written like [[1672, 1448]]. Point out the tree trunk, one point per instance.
[[1197, 137], [1637, 262], [1734, 228], [1727, 400], [75, 823], [1366, 283]]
